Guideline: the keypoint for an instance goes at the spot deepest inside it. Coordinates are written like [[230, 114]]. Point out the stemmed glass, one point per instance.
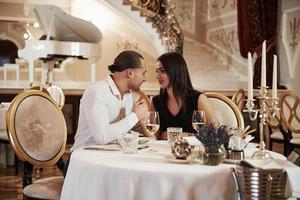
[[198, 119], [152, 122]]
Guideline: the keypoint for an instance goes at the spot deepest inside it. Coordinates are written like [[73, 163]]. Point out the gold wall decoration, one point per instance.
[[185, 14]]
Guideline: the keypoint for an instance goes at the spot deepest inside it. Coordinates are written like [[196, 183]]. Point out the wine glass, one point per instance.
[[152, 122], [198, 119]]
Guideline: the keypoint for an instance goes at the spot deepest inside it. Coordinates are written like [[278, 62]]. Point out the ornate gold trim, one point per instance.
[[238, 98], [10, 123], [237, 112]]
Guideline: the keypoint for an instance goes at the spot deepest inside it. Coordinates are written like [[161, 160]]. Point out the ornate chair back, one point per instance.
[[290, 114], [238, 99], [290, 111], [257, 183], [226, 111], [57, 94], [277, 129], [141, 97], [38, 134]]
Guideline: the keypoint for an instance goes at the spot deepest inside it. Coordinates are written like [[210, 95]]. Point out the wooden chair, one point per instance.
[[290, 114], [238, 99], [4, 141], [38, 134], [53, 91], [226, 111], [57, 94], [142, 97], [277, 131], [256, 183]]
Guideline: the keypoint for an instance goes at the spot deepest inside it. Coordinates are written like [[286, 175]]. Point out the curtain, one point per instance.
[[257, 21]]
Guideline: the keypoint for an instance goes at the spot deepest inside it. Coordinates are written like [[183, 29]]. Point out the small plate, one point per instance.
[[231, 161], [172, 159]]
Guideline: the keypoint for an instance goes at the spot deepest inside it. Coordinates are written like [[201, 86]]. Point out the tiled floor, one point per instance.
[[11, 184]]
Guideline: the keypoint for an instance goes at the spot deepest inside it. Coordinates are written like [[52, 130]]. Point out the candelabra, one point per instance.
[[267, 108]]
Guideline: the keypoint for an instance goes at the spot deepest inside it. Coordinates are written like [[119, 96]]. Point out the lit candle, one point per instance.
[[274, 84], [250, 78], [263, 65]]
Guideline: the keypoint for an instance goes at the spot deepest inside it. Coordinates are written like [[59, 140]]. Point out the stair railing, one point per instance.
[[163, 19]]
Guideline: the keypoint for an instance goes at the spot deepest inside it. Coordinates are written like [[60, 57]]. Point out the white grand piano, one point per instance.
[[66, 36]]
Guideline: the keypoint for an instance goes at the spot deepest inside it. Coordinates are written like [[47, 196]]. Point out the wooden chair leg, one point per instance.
[[290, 148], [27, 179], [270, 139], [271, 144], [16, 165]]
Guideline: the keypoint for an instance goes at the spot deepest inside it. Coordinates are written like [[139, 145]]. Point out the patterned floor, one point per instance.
[[11, 184]]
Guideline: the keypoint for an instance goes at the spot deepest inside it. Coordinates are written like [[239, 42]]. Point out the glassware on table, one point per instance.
[[174, 134], [152, 122], [198, 119], [213, 155], [130, 142], [237, 139]]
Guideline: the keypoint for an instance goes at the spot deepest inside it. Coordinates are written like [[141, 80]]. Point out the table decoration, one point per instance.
[[212, 139], [181, 149]]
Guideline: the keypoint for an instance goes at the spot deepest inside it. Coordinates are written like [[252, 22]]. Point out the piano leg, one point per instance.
[[93, 69]]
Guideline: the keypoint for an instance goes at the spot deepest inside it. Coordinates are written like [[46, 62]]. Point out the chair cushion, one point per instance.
[[47, 188], [277, 135], [296, 135], [295, 141]]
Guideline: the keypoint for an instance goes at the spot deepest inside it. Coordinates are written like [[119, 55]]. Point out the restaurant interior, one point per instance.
[[243, 55]]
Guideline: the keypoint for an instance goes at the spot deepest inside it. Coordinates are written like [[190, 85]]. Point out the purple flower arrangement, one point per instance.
[[212, 138]]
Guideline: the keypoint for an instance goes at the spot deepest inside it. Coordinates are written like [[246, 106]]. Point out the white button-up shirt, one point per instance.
[[103, 115]]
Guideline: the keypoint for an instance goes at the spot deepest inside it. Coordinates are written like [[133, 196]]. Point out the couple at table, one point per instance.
[[108, 109]]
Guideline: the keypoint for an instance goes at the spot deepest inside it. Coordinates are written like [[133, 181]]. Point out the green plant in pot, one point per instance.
[[212, 139]]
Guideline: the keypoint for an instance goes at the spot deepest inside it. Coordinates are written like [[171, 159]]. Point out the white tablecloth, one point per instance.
[[105, 175]]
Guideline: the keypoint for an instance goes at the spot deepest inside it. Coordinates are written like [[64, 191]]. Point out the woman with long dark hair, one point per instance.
[[177, 98]]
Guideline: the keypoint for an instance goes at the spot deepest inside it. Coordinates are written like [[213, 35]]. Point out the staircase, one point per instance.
[[136, 16], [206, 71]]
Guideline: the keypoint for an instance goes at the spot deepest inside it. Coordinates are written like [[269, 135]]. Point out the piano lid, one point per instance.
[[64, 27]]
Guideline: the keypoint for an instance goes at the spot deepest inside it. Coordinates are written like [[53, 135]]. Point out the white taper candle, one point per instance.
[[263, 65], [250, 77], [274, 83]]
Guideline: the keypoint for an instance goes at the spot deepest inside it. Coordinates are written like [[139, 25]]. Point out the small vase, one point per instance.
[[213, 155]]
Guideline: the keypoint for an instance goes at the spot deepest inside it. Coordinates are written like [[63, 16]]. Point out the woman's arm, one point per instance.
[[203, 104]]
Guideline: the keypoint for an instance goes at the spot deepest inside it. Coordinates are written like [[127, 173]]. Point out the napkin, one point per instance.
[[192, 140], [293, 171]]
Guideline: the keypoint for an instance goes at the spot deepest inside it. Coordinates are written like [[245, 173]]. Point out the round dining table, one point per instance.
[[106, 173]]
